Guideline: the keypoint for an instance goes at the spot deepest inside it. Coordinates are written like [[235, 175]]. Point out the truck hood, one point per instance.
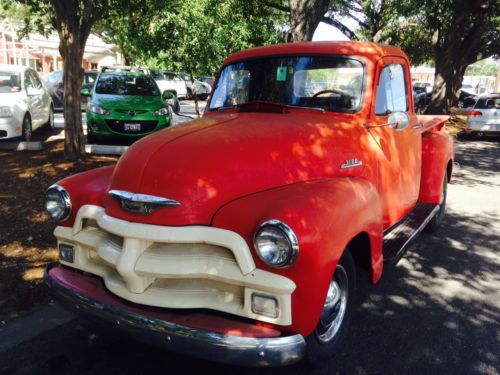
[[214, 160]]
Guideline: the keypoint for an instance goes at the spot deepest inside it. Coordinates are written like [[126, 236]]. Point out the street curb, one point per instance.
[[21, 146], [105, 149]]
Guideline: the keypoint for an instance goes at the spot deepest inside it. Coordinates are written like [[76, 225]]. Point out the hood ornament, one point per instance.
[[141, 204]]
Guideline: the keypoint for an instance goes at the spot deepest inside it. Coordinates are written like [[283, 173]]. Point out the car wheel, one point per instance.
[[174, 104], [337, 310], [27, 129], [91, 139], [437, 220], [49, 125]]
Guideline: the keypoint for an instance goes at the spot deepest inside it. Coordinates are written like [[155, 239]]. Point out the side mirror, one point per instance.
[[167, 95], [398, 120], [85, 92]]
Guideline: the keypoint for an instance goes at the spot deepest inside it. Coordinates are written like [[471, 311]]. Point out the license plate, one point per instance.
[[132, 127]]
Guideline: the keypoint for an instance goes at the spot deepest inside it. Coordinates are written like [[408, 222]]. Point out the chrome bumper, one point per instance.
[[247, 351]]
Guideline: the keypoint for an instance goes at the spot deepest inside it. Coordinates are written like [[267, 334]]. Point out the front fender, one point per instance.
[[325, 215], [86, 188]]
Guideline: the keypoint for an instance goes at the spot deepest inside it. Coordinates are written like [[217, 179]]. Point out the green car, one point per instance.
[[127, 104]]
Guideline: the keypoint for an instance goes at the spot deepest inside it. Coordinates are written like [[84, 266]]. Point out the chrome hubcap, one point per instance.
[[335, 306]]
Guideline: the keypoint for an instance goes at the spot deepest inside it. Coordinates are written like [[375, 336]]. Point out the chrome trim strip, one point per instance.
[[247, 351], [143, 204], [291, 236], [66, 198]]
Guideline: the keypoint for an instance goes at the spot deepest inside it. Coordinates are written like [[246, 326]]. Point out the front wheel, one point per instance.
[[27, 129], [337, 310], [49, 125]]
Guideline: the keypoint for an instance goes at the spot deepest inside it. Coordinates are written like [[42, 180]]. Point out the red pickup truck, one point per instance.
[[237, 237]]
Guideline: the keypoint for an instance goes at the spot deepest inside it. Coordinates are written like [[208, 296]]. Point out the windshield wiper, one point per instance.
[[322, 110], [227, 107]]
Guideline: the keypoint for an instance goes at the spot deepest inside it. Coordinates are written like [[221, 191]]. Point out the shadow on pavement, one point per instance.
[[434, 313]]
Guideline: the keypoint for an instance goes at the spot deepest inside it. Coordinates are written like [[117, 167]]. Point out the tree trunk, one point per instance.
[[305, 16], [74, 144]]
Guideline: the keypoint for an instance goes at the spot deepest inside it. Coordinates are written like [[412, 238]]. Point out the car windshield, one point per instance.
[[10, 82], [125, 83], [491, 102], [328, 82]]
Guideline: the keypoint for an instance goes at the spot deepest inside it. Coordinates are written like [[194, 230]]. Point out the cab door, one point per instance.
[[399, 149]]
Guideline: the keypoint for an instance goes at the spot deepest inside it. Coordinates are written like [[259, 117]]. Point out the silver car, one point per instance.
[[25, 104], [484, 117]]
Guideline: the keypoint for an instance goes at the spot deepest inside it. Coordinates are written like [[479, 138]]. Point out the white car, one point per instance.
[[484, 117], [25, 104], [203, 89], [168, 81]]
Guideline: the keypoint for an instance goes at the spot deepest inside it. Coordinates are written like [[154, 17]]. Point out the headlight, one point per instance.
[[5, 112], [58, 203], [162, 112], [94, 108], [276, 244]]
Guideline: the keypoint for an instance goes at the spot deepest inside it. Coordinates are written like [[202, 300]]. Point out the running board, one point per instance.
[[398, 238]]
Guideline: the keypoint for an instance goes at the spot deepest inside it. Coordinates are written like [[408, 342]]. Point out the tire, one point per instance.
[[437, 220], [175, 105], [332, 327], [91, 139], [27, 129], [49, 125]]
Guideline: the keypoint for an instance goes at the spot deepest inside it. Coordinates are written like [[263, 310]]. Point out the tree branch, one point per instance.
[[339, 25], [280, 7]]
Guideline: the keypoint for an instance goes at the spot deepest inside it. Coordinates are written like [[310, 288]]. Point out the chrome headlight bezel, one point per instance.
[[286, 233], [63, 199], [97, 109], [162, 112]]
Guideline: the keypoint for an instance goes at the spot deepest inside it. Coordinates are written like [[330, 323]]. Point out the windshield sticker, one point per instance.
[[281, 73]]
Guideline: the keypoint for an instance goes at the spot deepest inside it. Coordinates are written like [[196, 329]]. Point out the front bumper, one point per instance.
[[9, 128], [101, 125], [228, 341]]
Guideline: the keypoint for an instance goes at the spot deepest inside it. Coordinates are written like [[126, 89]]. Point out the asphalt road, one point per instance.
[[436, 312]]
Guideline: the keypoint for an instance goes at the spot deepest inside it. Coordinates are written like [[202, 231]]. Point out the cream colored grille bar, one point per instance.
[[174, 267]]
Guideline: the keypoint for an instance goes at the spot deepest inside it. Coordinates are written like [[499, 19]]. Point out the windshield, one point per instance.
[[10, 82], [329, 82], [123, 83]]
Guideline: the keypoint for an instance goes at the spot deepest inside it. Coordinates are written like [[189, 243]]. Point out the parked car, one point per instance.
[[484, 117], [54, 84], [202, 89], [420, 99], [237, 237], [125, 103], [169, 81], [425, 85], [25, 104], [165, 84], [466, 99], [207, 79]]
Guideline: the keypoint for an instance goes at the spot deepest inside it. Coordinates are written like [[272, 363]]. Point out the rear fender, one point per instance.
[[437, 155], [325, 215]]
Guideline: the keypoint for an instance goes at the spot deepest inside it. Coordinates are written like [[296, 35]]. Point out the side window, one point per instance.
[[36, 81], [391, 91], [28, 82]]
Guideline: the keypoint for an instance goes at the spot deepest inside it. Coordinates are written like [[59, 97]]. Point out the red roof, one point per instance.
[[372, 51]]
